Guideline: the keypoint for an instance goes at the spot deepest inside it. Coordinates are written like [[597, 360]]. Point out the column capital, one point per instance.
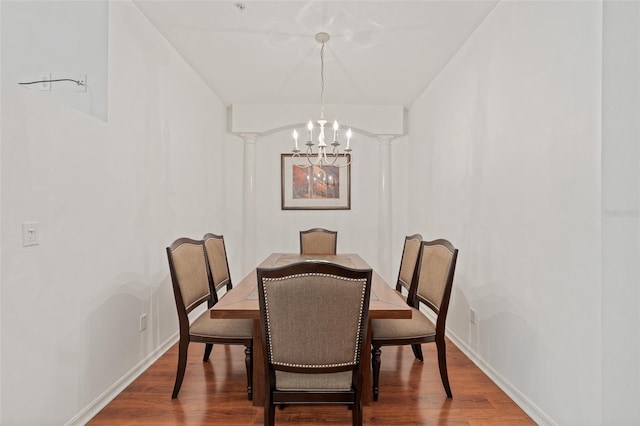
[[249, 137], [385, 138]]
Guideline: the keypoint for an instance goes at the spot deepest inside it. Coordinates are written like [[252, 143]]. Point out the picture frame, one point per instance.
[[309, 187]]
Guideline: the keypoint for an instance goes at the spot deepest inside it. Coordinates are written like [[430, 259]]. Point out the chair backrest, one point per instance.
[[218, 263], [190, 276], [436, 267], [318, 241], [314, 316], [408, 262]]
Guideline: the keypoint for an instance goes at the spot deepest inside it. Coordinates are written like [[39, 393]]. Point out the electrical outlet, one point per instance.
[[45, 84], [473, 316], [143, 322], [82, 79]]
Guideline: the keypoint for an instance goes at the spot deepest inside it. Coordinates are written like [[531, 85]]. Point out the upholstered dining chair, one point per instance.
[[408, 262], [193, 286], [318, 241], [431, 286], [218, 262], [313, 317]]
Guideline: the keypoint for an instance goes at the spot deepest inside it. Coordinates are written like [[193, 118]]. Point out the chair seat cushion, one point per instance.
[[417, 327], [327, 382], [205, 326]]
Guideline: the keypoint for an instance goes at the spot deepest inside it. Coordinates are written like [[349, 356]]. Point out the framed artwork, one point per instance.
[[315, 187]]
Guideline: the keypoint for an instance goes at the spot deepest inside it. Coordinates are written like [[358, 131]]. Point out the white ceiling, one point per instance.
[[380, 52]]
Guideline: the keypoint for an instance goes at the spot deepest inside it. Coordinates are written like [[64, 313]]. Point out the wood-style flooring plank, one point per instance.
[[411, 393]]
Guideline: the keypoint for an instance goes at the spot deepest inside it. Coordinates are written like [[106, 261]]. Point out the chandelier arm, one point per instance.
[[295, 163], [348, 163], [337, 155], [331, 158]]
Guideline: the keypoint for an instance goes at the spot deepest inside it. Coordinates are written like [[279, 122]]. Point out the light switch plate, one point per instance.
[[30, 234]]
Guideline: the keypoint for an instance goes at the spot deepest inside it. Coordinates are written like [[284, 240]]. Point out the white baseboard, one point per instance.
[[114, 390], [533, 411], [521, 400]]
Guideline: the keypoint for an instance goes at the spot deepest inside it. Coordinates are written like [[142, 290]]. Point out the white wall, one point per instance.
[[109, 197], [66, 39], [505, 162]]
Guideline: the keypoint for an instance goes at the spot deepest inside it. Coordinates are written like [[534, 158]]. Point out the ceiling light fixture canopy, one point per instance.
[[321, 157]]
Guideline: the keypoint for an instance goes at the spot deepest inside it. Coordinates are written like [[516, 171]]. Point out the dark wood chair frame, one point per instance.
[[352, 397], [320, 230], [183, 321], [414, 300]]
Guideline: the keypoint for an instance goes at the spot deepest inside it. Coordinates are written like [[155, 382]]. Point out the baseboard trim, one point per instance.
[[512, 392], [114, 390], [532, 410]]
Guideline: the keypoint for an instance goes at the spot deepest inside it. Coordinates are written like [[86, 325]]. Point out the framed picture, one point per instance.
[[315, 187]]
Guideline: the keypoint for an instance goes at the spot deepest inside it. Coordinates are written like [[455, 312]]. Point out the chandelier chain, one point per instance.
[[322, 82]]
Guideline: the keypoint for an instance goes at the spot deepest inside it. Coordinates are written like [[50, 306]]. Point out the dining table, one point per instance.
[[242, 302]]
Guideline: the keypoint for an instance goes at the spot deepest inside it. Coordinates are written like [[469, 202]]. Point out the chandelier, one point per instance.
[[322, 157]]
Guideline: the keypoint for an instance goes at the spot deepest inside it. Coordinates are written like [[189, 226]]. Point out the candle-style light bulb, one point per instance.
[[295, 139], [348, 138], [335, 130], [310, 127]]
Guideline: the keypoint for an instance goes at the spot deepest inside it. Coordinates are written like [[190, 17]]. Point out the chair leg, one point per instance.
[[207, 351], [356, 408], [248, 361], [442, 363], [417, 351], [269, 411], [356, 413], [375, 366], [182, 365]]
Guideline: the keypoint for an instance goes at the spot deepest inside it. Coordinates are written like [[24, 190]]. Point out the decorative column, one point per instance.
[[249, 203], [384, 209]]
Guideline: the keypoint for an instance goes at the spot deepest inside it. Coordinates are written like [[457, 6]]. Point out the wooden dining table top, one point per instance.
[[242, 300]]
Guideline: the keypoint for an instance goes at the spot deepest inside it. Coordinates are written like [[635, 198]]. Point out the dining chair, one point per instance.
[[218, 262], [431, 286], [318, 241], [408, 262], [219, 266], [193, 286], [407, 272], [313, 317]]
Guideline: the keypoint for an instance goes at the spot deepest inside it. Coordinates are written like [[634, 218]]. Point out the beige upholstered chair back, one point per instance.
[[189, 273], [218, 263], [318, 241], [409, 261], [314, 317], [435, 274]]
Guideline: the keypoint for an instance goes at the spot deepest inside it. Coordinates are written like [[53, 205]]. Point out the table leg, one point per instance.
[[258, 366]]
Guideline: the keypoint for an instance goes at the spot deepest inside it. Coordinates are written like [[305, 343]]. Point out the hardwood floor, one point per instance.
[[214, 393]]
